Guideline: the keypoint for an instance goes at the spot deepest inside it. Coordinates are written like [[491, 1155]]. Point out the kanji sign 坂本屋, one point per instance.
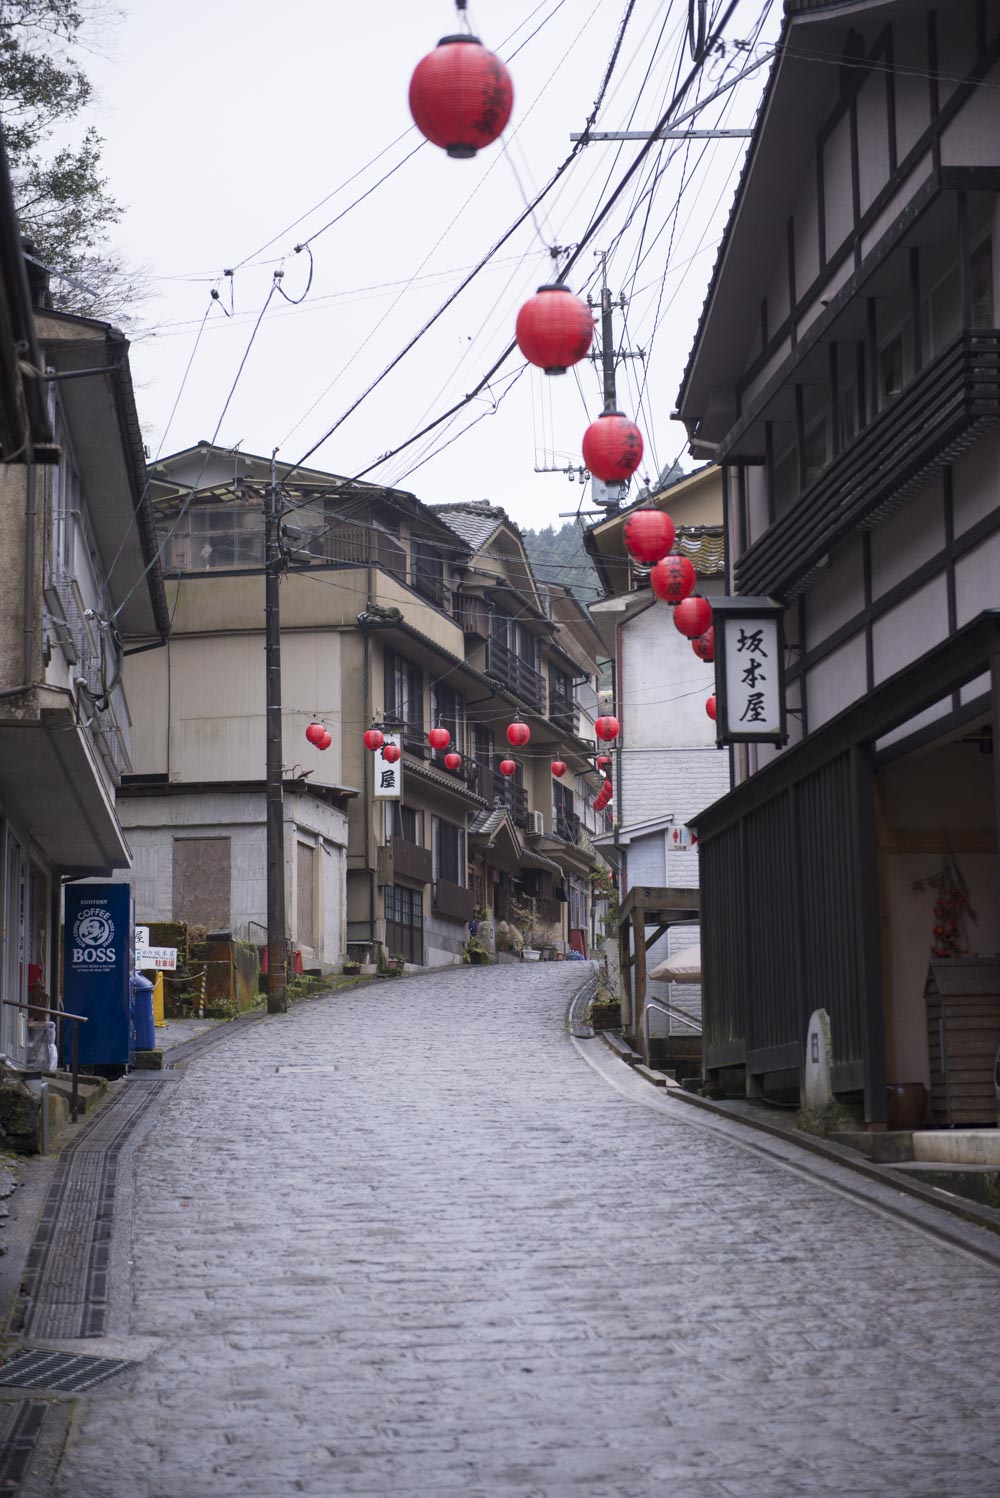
[[749, 671]]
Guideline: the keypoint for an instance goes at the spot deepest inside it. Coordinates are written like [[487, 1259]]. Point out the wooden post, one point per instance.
[[625, 969], [639, 946]]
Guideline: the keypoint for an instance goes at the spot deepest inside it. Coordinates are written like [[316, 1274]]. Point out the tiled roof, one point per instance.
[[474, 521], [447, 782], [485, 823]]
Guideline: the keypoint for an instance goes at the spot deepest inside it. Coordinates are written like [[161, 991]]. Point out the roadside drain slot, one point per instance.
[[63, 1371]]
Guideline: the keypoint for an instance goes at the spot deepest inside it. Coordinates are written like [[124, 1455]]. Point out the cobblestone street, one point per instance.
[[404, 1242]]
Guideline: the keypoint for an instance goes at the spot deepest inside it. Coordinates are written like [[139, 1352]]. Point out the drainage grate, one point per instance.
[[63, 1371], [330, 1066], [20, 1427]]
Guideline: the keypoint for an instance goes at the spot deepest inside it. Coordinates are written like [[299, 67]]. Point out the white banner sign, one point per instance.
[[161, 959], [753, 676], [388, 777], [141, 936]]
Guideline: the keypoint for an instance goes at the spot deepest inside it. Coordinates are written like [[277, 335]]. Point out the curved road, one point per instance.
[[444, 1257]]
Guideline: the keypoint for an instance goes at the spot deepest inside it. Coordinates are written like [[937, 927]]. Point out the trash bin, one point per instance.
[[145, 1033]]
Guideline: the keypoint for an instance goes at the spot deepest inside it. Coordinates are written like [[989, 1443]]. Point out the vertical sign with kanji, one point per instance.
[[749, 671], [388, 777]]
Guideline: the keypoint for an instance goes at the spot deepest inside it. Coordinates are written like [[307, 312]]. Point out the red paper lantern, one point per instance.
[[673, 578], [374, 739], [603, 796], [710, 707], [453, 761], [607, 729], [603, 761], [461, 96], [693, 616], [439, 738], [518, 735], [649, 535], [554, 329], [314, 732], [391, 753], [612, 447], [558, 768], [508, 767], [704, 645], [324, 741]]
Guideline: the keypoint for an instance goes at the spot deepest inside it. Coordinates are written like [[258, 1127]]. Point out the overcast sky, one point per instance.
[[226, 121]]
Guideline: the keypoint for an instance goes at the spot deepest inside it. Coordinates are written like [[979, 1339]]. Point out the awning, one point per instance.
[[682, 967], [50, 780]]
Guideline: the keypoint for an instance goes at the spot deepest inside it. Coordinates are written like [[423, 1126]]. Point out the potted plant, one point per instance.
[[396, 963], [522, 915], [475, 952]]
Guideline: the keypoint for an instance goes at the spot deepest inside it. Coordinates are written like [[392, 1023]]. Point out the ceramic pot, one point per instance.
[[907, 1104]]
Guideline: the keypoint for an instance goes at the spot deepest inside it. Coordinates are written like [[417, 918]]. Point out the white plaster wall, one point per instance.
[[971, 137], [975, 484], [836, 682], [835, 594], [837, 200], [873, 139], [977, 580], [908, 539], [910, 629], [913, 110]]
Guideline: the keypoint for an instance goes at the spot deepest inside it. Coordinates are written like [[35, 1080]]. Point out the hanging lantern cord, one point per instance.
[[462, 7]]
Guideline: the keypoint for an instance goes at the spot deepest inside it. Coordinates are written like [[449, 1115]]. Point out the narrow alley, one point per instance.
[[406, 1242]]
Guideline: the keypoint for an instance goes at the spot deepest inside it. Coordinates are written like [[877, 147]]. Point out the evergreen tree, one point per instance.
[[63, 202]]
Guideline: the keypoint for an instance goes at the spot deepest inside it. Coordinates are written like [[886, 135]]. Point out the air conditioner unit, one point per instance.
[[537, 823]]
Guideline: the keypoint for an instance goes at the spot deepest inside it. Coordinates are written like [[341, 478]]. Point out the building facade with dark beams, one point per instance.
[[846, 376]]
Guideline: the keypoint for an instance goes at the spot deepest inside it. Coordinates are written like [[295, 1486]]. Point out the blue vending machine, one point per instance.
[[97, 965]]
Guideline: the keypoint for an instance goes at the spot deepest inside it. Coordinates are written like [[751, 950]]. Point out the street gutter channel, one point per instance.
[[977, 1230]]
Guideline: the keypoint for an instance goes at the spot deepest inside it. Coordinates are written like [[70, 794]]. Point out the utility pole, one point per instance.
[[610, 496], [276, 944]]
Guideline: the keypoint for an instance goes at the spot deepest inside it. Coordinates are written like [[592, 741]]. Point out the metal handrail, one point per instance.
[[77, 1020], [670, 1011]]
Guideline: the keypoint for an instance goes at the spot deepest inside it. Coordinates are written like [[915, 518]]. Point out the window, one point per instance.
[[67, 500], [405, 822], [448, 851], [815, 451], [404, 700], [448, 710], [847, 415], [890, 369], [427, 570]]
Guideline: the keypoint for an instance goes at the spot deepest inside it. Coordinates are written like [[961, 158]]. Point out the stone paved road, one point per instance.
[[453, 1261]]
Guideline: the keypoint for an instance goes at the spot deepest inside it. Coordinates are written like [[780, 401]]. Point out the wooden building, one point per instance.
[[846, 376]]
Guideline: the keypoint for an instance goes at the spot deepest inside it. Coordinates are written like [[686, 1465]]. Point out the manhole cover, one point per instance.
[[58, 1370]]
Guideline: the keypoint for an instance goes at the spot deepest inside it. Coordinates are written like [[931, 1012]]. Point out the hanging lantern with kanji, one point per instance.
[[554, 329], [704, 645], [603, 761], [508, 767], [673, 579], [710, 707], [607, 728], [559, 768], [314, 732], [518, 735], [391, 753], [461, 96], [374, 739], [439, 738], [453, 761], [612, 447], [325, 740], [648, 535], [693, 615]]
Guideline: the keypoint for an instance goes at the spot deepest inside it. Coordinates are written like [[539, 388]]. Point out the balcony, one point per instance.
[[516, 675], [513, 796], [453, 901], [567, 827], [564, 713], [357, 545], [410, 861], [940, 412]]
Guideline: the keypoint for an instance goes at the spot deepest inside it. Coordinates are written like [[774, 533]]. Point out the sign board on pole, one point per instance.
[[141, 937], [749, 671], [388, 777], [160, 959]]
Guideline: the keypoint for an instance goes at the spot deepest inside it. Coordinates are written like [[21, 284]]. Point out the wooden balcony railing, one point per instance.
[[567, 826], [516, 675], [936, 415], [356, 543], [513, 796], [410, 861], [453, 901], [564, 713]]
